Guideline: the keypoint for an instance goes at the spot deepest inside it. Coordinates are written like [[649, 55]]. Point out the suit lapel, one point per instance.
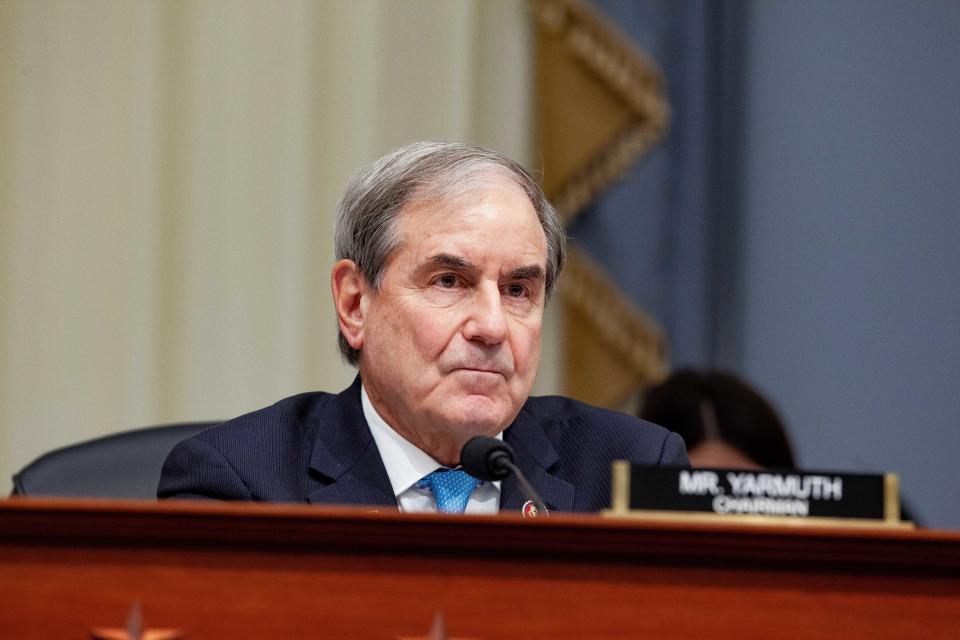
[[537, 459], [346, 468], [345, 465]]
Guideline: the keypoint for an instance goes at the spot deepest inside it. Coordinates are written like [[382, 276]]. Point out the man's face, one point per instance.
[[451, 341]]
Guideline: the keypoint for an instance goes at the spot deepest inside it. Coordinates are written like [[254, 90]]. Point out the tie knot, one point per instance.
[[451, 488]]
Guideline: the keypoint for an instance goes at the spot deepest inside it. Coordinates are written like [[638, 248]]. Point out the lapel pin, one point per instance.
[[529, 510]]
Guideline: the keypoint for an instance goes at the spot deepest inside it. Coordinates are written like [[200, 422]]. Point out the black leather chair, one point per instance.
[[121, 465]]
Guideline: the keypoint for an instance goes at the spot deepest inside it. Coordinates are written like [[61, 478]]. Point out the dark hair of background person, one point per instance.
[[713, 405]]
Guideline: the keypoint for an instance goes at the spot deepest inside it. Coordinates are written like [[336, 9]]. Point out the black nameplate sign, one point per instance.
[[795, 494]]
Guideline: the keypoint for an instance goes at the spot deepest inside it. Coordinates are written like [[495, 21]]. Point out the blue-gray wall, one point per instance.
[[846, 303]]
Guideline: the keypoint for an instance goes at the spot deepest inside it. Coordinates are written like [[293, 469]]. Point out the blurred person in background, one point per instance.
[[724, 421]]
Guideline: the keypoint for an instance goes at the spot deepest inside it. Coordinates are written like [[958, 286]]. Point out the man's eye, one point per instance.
[[447, 281], [516, 290]]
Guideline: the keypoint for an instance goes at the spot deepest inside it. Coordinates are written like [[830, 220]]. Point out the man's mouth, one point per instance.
[[480, 370]]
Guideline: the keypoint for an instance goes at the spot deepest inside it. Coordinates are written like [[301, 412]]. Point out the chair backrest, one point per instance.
[[121, 465]]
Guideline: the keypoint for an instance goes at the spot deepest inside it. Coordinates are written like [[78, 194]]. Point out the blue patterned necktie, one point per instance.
[[451, 488]]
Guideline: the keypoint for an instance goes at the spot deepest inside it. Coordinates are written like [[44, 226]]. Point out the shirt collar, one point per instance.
[[406, 464]]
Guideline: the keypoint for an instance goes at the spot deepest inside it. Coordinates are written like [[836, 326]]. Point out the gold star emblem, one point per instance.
[[135, 630], [437, 632]]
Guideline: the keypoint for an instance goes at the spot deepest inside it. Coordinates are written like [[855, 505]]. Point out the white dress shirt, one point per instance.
[[407, 465]]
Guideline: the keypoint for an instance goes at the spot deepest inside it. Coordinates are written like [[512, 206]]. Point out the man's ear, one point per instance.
[[349, 286]]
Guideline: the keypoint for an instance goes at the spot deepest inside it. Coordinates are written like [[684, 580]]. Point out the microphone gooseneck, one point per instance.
[[491, 459]]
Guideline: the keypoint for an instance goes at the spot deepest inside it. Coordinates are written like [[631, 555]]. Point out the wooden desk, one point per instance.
[[236, 571]]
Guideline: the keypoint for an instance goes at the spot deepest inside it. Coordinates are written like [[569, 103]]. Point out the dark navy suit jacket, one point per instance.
[[317, 448]]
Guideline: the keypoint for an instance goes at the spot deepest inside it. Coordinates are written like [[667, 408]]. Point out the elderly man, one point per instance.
[[447, 254]]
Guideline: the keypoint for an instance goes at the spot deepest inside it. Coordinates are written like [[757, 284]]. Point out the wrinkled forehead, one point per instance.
[[443, 202]]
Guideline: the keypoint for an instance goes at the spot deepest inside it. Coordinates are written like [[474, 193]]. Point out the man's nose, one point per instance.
[[487, 322]]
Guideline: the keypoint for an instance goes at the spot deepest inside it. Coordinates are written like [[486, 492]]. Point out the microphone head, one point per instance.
[[483, 457]]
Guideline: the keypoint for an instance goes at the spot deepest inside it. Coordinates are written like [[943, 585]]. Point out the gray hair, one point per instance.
[[367, 229]]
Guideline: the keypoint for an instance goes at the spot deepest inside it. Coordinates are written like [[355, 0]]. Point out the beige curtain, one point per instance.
[[167, 177]]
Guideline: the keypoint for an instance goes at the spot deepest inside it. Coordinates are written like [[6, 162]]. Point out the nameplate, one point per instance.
[[776, 494]]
